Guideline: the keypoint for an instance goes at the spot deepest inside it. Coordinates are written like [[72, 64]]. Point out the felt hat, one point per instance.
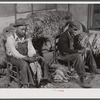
[[20, 22]]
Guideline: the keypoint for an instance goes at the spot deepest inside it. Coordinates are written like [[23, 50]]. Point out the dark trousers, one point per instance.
[[77, 62], [90, 61], [25, 72], [44, 67]]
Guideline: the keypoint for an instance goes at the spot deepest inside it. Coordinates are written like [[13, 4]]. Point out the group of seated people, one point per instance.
[[23, 58]]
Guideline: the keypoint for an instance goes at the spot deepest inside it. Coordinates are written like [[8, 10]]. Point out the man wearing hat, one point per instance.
[[18, 51], [68, 51]]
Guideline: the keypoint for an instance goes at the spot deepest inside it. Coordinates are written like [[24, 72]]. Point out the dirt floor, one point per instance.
[[95, 83], [74, 83]]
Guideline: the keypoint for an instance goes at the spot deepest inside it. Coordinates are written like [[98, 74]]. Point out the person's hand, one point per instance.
[[32, 59], [81, 51], [28, 39], [88, 49], [25, 58], [40, 35]]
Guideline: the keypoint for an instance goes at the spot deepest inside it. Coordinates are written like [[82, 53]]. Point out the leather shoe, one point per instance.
[[97, 71], [45, 81], [31, 86], [85, 85], [84, 82]]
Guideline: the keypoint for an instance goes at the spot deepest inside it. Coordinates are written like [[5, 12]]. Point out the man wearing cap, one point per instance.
[[68, 51], [22, 57]]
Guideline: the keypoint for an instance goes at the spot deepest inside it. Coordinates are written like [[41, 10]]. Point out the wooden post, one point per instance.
[[32, 8], [68, 7], [90, 16], [56, 6], [46, 7], [15, 12]]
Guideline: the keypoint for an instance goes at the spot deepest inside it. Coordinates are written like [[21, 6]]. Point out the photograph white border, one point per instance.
[[54, 92]]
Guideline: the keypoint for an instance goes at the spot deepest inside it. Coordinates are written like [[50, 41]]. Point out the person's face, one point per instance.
[[75, 31], [21, 30]]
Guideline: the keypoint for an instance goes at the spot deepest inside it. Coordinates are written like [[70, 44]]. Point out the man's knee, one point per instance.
[[79, 57], [24, 66], [89, 52], [41, 59]]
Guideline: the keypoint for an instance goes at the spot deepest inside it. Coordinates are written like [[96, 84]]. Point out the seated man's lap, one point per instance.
[[71, 57], [18, 62]]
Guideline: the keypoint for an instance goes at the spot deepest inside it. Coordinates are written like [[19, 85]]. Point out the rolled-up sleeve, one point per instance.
[[12, 49], [31, 49]]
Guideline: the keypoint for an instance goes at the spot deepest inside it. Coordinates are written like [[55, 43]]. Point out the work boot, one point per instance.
[[46, 81], [84, 82], [97, 71], [85, 85], [31, 86]]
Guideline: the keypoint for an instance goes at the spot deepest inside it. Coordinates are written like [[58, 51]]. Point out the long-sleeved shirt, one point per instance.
[[65, 44], [76, 43], [11, 46]]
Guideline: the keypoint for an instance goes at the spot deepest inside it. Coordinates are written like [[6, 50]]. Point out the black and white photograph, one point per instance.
[[49, 45]]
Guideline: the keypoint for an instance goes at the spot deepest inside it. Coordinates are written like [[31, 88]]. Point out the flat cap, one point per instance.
[[75, 24]]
